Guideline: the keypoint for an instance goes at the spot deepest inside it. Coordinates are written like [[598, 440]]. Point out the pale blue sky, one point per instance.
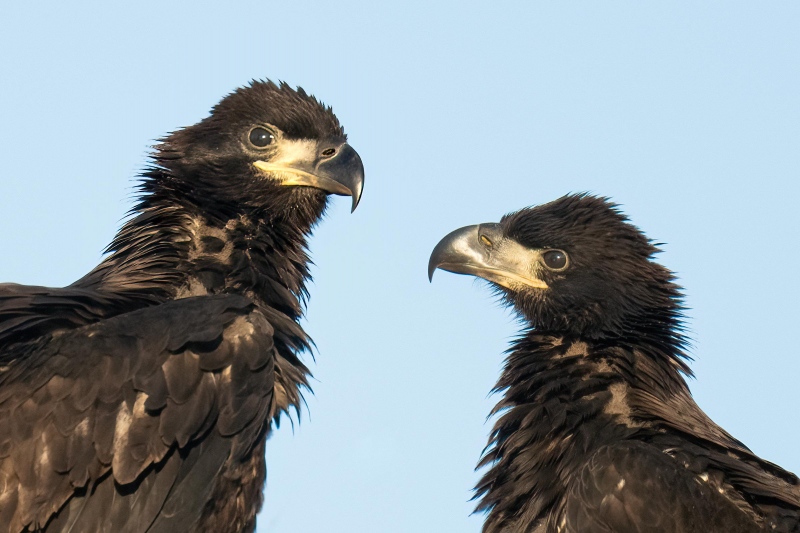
[[685, 112]]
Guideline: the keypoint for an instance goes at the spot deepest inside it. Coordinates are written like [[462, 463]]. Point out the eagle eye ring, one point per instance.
[[260, 137], [555, 260]]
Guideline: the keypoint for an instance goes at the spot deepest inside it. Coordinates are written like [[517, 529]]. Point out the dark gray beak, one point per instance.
[[340, 173], [484, 251], [345, 169]]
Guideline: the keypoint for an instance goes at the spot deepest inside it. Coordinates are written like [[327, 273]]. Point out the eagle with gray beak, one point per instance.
[[139, 398], [596, 430]]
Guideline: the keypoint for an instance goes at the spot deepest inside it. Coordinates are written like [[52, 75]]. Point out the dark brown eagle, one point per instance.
[[597, 430], [139, 398]]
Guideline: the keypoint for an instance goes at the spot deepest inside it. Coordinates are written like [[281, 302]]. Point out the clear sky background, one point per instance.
[[686, 113]]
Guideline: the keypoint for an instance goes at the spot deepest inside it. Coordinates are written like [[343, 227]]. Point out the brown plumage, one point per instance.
[[597, 430], [139, 398]]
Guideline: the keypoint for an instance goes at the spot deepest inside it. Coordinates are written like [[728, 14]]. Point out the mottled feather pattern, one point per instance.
[[104, 421]]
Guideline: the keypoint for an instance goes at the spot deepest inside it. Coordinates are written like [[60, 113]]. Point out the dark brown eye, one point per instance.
[[261, 137], [555, 259]]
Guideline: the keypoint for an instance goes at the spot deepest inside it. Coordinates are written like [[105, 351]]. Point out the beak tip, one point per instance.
[[357, 188], [356, 200], [433, 264]]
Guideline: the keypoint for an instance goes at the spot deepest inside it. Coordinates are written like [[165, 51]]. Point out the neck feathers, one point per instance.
[[171, 250], [562, 398]]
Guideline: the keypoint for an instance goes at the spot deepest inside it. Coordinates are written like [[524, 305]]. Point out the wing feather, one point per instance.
[[632, 487], [123, 424]]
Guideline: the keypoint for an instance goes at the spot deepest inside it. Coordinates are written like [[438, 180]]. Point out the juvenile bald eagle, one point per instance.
[[597, 430], [139, 398]]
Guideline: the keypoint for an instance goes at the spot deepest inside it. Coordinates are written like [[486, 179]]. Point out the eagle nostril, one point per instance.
[[329, 152]]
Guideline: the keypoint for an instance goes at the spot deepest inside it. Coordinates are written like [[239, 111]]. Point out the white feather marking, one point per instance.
[[44, 458], [123, 424], [138, 406], [82, 429], [295, 151]]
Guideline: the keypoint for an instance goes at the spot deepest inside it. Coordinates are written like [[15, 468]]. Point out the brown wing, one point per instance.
[[112, 425], [631, 487]]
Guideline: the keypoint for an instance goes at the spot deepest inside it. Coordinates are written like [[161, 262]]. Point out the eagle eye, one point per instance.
[[555, 259], [261, 137]]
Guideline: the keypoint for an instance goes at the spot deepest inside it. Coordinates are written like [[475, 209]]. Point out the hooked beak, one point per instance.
[[341, 173], [484, 251]]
